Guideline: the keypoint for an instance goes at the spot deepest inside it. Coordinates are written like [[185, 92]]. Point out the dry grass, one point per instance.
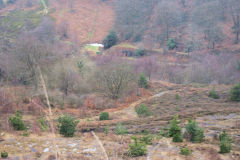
[[89, 22]]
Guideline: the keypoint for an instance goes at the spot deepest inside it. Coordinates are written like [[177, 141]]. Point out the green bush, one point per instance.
[[67, 126], [177, 96], [25, 133], [177, 137], [16, 122], [213, 94], [104, 116], [171, 44], [4, 154], [137, 148], [162, 133], [42, 124], [235, 93], [175, 130], [225, 143], [110, 40], [195, 133], [120, 129], [142, 81], [140, 52], [147, 139], [143, 111], [185, 151], [106, 130]]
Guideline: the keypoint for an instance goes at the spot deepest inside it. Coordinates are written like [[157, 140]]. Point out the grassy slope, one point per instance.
[[90, 21]]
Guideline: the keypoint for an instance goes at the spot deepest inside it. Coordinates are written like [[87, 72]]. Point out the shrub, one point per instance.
[[110, 40], [162, 133], [225, 143], [195, 133], [235, 92], [177, 137], [175, 131], [25, 133], [120, 129], [174, 128], [67, 126], [137, 38], [213, 94], [143, 111], [106, 131], [4, 154], [140, 52], [171, 44], [185, 151], [147, 139], [42, 124], [137, 148], [142, 82], [104, 116], [177, 96], [16, 122]]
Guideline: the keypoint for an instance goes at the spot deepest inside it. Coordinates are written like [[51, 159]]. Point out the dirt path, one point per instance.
[[129, 112], [118, 116]]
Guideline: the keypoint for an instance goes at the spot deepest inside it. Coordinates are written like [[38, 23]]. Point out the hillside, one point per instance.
[[88, 21], [193, 102]]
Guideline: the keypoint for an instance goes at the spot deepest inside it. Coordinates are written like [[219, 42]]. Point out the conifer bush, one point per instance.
[[235, 93], [147, 139], [175, 130], [137, 148], [110, 40], [143, 111], [195, 133], [225, 143], [213, 94], [16, 121], [140, 52], [120, 130], [67, 125], [104, 116], [4, 154], [142, 81], [177, 96], [185, 151], [171, 44]]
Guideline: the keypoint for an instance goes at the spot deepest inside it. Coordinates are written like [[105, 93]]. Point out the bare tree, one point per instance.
[[224, 7], [234, 6], [168, 16], [71, 4], [63, 30], [68, 79], [183, 3], [132, 17], [206, 17], [45, 32], [31, 54], [113, 79], [148, 66]]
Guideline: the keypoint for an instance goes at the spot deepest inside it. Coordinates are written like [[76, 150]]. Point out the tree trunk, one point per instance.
[[237, 37], [167, 32], [213, 45], [237, 29]]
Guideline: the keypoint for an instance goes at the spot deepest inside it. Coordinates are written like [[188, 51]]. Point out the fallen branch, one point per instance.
[[49, 115], [101, 145]]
